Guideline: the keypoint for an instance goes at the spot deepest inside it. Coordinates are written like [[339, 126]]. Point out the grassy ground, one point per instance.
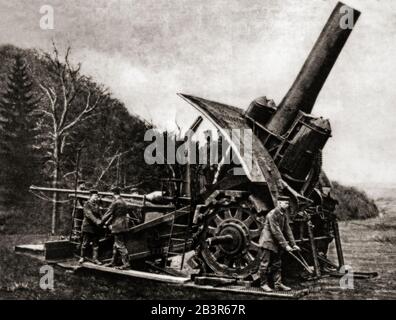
[[369, 245], [20, 278]]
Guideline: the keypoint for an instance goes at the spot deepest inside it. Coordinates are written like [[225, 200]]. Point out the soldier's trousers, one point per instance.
[[89, 238], [270, 268], [120, 244]]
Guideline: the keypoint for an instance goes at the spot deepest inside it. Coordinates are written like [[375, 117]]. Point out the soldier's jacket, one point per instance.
[[276, 231], [92, 217], [117, 216]]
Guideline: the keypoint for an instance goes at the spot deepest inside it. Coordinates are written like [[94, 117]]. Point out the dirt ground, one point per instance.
[[368, 245]]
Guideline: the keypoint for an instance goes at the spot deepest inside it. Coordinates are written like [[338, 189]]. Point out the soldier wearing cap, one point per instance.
[[117, 218], [81, 185], [276, 237], [91, 227]]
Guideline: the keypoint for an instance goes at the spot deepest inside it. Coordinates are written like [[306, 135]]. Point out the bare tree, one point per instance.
[[110, 161], [62, 111]]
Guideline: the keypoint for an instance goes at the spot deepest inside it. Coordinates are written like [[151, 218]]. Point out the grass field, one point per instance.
[[369, 245]]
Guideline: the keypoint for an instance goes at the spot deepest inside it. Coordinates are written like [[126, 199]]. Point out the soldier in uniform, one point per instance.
[[78, 214], [91, 227], [81, 185], [117, 218], [273, 241]]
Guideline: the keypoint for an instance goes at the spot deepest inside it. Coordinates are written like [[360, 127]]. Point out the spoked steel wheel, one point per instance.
[[230, 240]]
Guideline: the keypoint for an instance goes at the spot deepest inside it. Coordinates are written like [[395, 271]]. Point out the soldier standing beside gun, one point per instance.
[[91, 227], [78, 215], [117, 217], [273, 240]]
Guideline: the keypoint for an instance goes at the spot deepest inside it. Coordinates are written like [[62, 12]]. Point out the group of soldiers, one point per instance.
[[276, 236], [116, 219]]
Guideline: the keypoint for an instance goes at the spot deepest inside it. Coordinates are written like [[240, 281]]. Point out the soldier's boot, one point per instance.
[[125, 262], [282, 287], [266, 288], [82, 255], [95, 256], [278, 285], [264, 283], [113, 260]]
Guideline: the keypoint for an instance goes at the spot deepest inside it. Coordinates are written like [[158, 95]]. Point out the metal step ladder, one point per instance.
[[178, 237], [76, 233]]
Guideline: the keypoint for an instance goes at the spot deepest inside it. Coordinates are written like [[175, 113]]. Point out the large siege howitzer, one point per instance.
[[223, 223], [286, 151]]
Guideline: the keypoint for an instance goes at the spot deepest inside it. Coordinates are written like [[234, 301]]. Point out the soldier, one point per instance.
[[273, 241], [78, 214], [81, 185], [91, 227], [117, 217]]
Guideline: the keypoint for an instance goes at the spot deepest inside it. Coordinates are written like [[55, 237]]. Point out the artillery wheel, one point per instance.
[[240, 257]]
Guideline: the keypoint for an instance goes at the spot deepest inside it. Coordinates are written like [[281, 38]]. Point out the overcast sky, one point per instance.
[[232, 51]]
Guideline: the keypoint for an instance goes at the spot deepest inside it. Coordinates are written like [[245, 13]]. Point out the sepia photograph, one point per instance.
[[217, 152]]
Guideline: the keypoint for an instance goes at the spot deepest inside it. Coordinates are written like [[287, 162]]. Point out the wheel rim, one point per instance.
[[241, 256]]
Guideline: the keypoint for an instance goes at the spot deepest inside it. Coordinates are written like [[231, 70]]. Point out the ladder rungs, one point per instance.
[[174, 242], [178, 239], [174, 253], [175, 234]]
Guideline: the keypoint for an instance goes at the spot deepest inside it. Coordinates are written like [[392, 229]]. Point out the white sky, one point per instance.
[[232, 51]]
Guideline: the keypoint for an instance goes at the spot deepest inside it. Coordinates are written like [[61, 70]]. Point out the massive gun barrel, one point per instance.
[[310, 80], [294, 138]]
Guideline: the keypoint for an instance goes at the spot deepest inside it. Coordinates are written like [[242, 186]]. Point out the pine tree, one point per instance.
[[17, 133]]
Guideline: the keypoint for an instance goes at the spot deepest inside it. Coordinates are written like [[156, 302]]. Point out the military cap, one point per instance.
[[284, 199]]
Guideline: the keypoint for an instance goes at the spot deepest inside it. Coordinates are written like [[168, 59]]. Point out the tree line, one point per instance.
[[51, 116]]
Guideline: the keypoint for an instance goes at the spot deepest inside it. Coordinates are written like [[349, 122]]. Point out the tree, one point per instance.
[[114, 148], [17, 129], [69, 99], [110, 138]]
